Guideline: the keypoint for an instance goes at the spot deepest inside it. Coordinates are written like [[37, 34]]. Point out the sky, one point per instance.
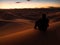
[[9, 4]]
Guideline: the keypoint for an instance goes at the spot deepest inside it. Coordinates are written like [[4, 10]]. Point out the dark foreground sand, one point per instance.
[[30, 36]]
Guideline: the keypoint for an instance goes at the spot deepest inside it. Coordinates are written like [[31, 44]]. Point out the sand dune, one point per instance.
[[19, 29], [31, 36], [14, 26]]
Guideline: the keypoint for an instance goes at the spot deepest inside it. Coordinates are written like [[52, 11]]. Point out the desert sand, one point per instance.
[[20, 30], [27, 35]]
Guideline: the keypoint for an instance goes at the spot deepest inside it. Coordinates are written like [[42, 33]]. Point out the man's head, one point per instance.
[[43, 15]]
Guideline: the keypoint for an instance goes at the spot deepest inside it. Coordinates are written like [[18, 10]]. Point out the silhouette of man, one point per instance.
[[42, 23]]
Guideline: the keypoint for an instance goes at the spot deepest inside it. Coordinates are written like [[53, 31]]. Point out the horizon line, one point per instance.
[[31, 8]]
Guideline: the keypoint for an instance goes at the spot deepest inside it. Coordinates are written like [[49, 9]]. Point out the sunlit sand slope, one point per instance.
[[15, 26], [31, 36]]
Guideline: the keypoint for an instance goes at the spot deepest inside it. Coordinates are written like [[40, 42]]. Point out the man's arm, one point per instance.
[[36, 23], [48, 22]]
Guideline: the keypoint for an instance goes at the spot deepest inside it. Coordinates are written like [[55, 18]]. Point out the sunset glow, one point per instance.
[[12, 5]]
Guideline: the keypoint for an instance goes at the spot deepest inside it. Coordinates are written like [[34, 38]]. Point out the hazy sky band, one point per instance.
[[33, 3]]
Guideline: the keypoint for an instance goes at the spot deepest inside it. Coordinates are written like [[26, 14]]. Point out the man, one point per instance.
[[42, 23]]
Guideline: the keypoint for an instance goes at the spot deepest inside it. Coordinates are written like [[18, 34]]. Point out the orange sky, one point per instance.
[[10, 5]]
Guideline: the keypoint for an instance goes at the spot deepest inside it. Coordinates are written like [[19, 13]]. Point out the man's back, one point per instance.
[[42, 23]]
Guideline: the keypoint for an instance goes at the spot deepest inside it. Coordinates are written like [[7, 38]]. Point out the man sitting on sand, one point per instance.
[[42, 24]]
